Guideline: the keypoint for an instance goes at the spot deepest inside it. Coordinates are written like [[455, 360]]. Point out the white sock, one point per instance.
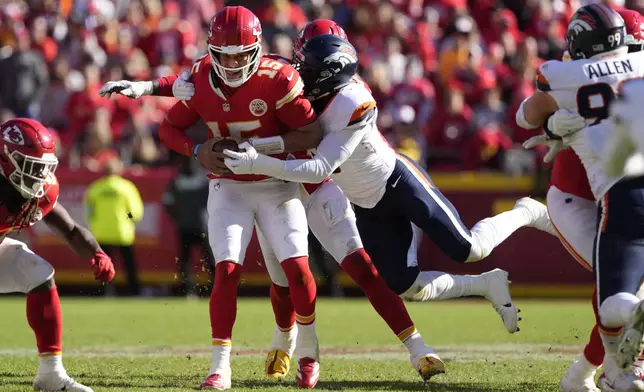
[[51, 364], [415, 343], [285, 340], [220, 356], [307, 342], [436, 285], [617, 310], [490, 232], [583, 368]]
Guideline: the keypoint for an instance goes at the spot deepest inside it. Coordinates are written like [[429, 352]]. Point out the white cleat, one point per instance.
[[540, 219], [56, 381], [626, 381], [615, 379], [499, 294], [575, 382], [631, 344]]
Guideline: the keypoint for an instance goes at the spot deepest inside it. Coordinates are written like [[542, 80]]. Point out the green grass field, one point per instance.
[[163, 345]]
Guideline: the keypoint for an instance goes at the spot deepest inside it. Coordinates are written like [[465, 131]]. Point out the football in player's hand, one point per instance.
[[225, 144]]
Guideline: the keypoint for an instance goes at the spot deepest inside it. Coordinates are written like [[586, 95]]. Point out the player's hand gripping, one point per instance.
[[212, 160], [103, 267], [564, 122], [554, 146], [242, 162], [182, 88], [127, 88]]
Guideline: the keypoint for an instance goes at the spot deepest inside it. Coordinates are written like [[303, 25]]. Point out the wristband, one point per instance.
[[269, 145], [547, 130], [195, 149]]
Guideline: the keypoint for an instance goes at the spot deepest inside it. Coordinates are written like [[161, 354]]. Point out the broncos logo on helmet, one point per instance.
[[343, 57]]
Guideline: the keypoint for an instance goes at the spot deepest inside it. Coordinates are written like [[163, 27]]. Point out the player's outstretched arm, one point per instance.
[[178, 86], [332, 152], [81, 241]]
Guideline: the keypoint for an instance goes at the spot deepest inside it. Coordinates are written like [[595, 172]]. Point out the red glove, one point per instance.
[[103, 267]]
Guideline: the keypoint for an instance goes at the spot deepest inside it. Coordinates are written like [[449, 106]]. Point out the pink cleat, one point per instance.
[[308, 373], [218, 381]]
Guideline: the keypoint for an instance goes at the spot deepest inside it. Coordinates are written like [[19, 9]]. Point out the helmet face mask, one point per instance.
[[31, 174], [235, 76]]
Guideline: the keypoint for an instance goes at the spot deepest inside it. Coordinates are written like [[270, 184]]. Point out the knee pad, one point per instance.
[[617, 309]]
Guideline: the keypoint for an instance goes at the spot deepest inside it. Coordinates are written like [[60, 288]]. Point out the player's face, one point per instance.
[[236, 60]]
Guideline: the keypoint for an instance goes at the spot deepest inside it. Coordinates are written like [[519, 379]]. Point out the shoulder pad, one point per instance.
[[352, 106], [560, 75]]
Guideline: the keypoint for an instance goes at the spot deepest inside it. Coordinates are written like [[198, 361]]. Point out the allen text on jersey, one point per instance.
[[607, 68]]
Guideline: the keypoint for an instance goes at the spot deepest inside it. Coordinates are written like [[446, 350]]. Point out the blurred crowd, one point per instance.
[[448, 75]]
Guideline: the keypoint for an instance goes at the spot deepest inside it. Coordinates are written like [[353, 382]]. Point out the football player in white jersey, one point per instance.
[[389, 191], [583, 89]]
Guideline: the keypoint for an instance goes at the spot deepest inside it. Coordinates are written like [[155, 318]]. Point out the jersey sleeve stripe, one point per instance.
[[542, 82], [295, 91], [363, 112]]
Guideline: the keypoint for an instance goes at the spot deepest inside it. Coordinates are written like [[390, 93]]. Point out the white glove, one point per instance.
[[554, 146], [182, 88], [564, 122], [127, 88], [241, 162]]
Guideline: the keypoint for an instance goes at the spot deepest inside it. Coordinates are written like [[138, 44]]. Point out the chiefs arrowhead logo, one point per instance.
[[13, 135]]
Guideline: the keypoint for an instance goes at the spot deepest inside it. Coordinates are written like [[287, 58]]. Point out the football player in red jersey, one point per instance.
[[325, 199], [240, 94], [573, 213], [29, 193]]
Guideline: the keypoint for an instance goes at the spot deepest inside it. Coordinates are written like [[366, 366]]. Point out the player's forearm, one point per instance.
[[162, 87], [82, 242], [175, 138], [301, 139], [534, 110], [311, 171]]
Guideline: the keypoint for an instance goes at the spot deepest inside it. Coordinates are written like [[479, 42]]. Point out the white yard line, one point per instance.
[[465, 353]]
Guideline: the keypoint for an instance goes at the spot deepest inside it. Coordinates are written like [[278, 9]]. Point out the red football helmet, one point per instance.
[[634, 22], [235, 30], [315, 28], [27, 156]]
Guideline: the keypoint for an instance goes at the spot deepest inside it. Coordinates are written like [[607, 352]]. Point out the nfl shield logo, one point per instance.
[[226, 107]]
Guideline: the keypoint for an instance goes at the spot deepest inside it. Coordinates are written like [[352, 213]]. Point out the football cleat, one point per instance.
[[499, 294], [615, 379], [58, 382], [626, 381], [219, 381], [308, 373], [540, 219], [428, 364], [574, 382], [277, 364], [631, 344]]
